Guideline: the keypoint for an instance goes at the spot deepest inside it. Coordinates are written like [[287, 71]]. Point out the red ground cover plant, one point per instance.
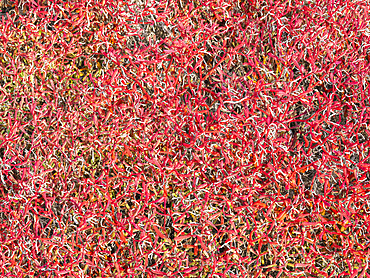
[[184, 138]]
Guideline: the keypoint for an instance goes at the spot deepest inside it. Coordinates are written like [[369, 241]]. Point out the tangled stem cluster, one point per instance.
[[205, 138]]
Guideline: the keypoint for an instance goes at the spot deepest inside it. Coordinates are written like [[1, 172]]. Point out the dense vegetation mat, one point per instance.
[[206, 138]]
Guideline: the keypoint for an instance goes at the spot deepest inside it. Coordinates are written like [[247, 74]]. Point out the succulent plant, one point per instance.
[[172, 138]]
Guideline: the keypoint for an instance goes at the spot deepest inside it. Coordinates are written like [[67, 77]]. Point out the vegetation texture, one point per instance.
[[204, 138]]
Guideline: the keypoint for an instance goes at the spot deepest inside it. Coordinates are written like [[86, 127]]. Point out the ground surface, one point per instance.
[[184, 138]]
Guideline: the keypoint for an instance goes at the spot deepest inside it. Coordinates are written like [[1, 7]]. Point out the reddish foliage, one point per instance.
[[184, 138]]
